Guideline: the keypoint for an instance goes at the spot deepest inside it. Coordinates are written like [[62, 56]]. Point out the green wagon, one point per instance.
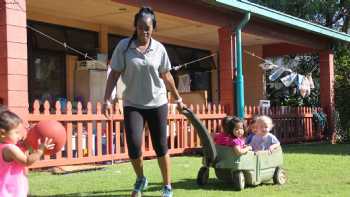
[[249, 169]]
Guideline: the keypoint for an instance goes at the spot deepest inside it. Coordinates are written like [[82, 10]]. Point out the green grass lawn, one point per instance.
[[313, 170]]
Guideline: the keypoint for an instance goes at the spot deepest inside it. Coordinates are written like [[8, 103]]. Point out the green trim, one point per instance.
[[238, 63], [280, 17]]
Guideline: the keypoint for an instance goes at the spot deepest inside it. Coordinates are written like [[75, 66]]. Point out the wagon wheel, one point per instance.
[[203, 176], [238, 180], [280, 176]]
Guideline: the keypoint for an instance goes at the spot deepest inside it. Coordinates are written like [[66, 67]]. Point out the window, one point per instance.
[[113, 40], [38, 41], [200, 72], [47, 59], [47, 76], [83, 40]]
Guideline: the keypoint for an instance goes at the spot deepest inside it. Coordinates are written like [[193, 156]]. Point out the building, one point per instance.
[[34, 67]]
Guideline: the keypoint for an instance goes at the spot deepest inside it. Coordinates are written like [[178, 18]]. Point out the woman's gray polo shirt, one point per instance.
[[141, 73]]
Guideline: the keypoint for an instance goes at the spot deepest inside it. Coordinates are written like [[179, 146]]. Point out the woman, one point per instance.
[[144, 66]]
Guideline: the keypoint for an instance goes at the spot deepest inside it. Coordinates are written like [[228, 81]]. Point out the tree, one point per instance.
[[329, 13], [342, 85]]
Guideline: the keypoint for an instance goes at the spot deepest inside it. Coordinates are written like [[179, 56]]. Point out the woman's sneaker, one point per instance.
[[139, 186], [167, 191]]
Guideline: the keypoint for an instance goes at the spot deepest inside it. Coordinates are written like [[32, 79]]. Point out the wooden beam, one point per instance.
[[71, 60], [286, 34], [280, 49], [195, 11], [103, 39], [219, 16]]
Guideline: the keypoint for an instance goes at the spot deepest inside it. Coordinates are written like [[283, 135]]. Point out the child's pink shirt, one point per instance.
[[226, 140], [13, 181]]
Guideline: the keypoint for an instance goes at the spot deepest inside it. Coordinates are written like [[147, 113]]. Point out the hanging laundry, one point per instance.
[[184, 83], [299, 79], [276, 73], [267, 65], [305, 88], [289, 79], [309, 77]]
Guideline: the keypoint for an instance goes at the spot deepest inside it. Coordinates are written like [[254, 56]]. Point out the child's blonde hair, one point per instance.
[[265, 119]]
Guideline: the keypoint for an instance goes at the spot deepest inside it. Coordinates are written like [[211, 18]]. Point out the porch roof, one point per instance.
[[282, 18]]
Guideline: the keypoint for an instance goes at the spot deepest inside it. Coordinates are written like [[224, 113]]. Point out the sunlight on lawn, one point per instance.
[[313, 170]]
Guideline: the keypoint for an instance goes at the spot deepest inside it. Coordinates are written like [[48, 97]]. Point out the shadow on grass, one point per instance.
[[190, 184], [95, 193], [184, 184], [318, 148]]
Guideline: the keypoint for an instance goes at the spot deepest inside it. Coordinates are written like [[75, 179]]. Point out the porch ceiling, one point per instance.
[[119, 17]]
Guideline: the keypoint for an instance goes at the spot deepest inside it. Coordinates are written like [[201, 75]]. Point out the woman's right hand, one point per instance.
[[107, 109]]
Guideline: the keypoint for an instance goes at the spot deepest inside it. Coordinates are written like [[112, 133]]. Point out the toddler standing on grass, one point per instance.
[[263, 139], [232, 135], [13, 161]]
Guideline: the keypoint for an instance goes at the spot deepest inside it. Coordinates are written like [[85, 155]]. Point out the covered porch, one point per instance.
[[193, 24], [206, 26]]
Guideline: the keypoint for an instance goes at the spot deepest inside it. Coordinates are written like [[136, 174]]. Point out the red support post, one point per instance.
[[327, 89], [13, 56], [227, 51]]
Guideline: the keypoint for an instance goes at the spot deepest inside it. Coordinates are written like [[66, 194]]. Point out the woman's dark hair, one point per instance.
[[144, 11], [229, 123], [8, 119]]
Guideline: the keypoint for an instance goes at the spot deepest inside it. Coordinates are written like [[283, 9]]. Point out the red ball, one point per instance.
[[47, 129]]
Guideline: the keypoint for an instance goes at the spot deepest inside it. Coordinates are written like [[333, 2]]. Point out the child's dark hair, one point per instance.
[[8, 119], [229, 123], [144, 11], [254, 119]]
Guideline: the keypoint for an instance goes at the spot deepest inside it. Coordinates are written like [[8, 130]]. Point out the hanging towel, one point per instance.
[[311, 81], [289, 79], [305, 88], [276, 73], [268, 65], [299, 80]]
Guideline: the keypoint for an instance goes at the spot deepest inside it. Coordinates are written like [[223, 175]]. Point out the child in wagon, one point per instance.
[[263, 139], [232, 135]]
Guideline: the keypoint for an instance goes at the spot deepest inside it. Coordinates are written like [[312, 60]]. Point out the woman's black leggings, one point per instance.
[[156, 119]]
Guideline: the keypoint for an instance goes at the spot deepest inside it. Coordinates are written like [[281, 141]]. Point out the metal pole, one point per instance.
[[238, 63]]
